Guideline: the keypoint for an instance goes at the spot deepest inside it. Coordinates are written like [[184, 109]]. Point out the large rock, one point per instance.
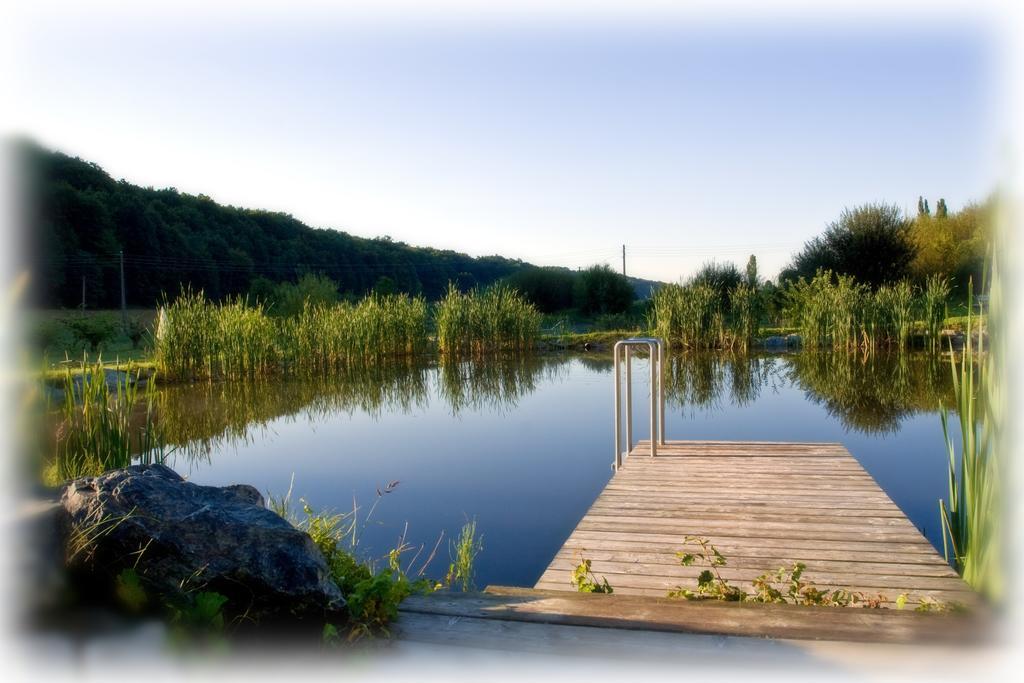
[[182, 537]]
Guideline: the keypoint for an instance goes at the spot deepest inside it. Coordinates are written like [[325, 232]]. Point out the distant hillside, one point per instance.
[[644, 288], [81, 218]]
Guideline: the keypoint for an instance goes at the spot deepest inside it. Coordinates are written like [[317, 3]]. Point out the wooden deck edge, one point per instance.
[[625, 612]]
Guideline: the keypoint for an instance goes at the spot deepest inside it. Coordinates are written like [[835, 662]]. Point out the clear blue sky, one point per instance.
[[552, 141]]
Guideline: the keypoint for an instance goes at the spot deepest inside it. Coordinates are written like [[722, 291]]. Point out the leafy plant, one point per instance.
[[203, 613], [585, 581]]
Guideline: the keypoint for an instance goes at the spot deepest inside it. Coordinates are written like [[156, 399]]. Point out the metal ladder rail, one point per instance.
[[656, 348]]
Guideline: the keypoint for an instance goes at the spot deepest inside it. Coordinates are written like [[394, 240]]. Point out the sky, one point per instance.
[[552, 139]]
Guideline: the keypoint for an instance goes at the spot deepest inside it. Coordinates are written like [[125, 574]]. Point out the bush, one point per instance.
[[289, 298], [871, 243], [549, 289]]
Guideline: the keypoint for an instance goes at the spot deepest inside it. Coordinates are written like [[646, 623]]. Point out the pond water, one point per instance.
[[524, 445]]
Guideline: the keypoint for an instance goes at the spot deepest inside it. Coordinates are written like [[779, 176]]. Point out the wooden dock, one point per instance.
[[763, 505]]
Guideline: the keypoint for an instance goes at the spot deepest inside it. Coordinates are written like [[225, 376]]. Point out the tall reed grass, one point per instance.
[[101, 427], [491, 320], [972, 516], [328, 337]]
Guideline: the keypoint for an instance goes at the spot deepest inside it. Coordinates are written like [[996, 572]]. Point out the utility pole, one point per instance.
[[124, 308], [623, 260], [83, 296]]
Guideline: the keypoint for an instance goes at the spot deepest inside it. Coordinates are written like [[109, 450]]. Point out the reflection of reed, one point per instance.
[[205, 416], [703, 380], [496, 382], [874, 393]]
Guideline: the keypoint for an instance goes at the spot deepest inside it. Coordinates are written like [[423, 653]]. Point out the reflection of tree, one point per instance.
[[197, 419], [597, 363], [496, 382], [872, 394]]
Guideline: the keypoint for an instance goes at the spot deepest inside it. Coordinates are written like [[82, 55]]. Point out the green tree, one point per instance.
[[599, 289], [721, 277], [81, 218], [753, 279], [289, 297], [953, 245]]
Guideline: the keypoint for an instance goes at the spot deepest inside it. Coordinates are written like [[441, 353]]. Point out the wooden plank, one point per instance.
[[624, 612], [736, 543], [842, 578], [764, 563], [711, 529], [737, 552]]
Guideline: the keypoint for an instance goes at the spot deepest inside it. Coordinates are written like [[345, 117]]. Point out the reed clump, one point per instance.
[[834, 312], [201, 339], [329, 337], [697, 316], [496, 319]]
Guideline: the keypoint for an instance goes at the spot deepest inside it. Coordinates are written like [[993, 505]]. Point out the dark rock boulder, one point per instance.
[[182, 538]]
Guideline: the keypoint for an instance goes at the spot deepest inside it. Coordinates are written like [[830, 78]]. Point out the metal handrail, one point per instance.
[[656, 348]]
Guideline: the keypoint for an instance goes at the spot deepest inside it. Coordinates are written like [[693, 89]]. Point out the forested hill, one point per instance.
[[81, 218]]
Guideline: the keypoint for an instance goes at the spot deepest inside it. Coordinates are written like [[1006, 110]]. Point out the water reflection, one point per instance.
[[871, 395], [497, 383], [198, 419], [713, 381]]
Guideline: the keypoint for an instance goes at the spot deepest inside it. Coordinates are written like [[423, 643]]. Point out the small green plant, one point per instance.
[[585, 581], [203, 613], [330, 635], [464, 553], [781, 586], [710, 583], [129, 590]]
